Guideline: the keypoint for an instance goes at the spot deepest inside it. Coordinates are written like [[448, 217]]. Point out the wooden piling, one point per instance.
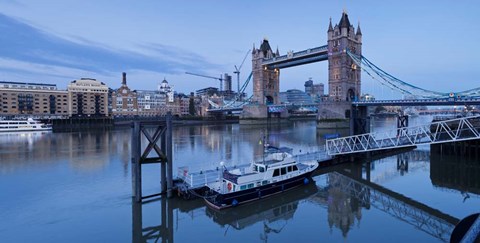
[[169, 140], [136, 163], [164, 155]]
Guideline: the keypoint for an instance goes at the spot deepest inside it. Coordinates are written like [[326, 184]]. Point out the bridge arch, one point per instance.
[[350, 95]]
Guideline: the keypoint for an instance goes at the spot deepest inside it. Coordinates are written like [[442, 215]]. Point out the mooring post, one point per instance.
[[163, 164], [169, 140], [136, 166]]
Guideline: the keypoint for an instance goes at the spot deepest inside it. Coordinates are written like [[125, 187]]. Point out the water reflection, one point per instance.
[[416, 191], [461, 174], [86, 151], [276, 208]]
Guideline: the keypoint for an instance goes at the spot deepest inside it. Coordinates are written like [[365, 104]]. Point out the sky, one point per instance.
[[430, 44]]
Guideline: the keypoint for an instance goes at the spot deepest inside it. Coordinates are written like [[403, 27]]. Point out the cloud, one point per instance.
[[23, 43]]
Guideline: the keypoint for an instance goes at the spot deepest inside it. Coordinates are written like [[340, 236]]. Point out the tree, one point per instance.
[[191, 105]]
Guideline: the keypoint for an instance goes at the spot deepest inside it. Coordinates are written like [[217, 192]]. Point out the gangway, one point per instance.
[[454, 130]]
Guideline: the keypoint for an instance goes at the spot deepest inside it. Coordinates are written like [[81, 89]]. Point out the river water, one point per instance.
[[76, 187]]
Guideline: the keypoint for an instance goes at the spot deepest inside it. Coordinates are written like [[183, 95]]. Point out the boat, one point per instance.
[[279, 171], [23, 125]]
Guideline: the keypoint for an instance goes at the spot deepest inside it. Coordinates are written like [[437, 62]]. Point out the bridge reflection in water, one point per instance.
[[343, 193]]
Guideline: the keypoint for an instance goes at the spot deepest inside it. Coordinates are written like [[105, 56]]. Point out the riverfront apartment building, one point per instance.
[[35, 99], [151, 103], [124, 100], [88, 97]]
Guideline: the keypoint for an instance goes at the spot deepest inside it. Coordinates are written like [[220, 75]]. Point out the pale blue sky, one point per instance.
[[431, 44]]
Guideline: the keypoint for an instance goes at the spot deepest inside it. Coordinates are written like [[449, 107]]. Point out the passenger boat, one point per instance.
[[23, 125], [276, 173]]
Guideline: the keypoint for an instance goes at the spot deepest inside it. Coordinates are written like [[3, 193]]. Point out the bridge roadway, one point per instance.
[[420, 102], [293, 59]]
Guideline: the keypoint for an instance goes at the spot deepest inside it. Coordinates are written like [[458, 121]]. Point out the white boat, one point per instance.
[[278, 172], [23, 125]]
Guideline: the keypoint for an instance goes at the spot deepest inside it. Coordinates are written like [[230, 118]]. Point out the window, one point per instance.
[[276, 172], [283, 170], [250, 185], [295, 168]]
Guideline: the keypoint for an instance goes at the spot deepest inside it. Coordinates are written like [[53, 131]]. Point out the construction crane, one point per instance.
[[237, 71], [205, 76]]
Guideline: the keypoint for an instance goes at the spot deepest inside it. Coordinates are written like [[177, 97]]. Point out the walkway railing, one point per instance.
[[297, 54], [460, 129]]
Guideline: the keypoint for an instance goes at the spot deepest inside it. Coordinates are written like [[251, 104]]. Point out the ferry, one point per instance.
[[23, 125], [276, 173]]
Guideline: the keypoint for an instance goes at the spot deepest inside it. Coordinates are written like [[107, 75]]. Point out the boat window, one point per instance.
[[255, 168], [243, 187], [283, 170], [276, 172], [289, 168], [261, 169], [250, 185], [264, 182], [295, 168]]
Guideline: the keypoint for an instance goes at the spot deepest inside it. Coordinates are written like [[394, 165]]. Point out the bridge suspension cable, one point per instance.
[[234, 103], [394, 83]]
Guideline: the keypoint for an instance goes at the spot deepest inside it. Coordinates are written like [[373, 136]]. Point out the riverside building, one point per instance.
[[88, 97], [32, 99], [124, 100]]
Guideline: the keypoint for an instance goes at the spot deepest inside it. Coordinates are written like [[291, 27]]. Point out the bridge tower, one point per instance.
[[344, 80], [266, 85]]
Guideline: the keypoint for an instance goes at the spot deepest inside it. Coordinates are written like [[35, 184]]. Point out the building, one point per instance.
[[344, 79], [151, 103], [295, 97], [165, 88], [316, 91], [87, 97], [181, 105], [207, 92], [124, 100], [34, 99]]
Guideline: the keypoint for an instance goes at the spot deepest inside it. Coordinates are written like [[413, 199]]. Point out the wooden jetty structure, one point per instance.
[[157, 150]]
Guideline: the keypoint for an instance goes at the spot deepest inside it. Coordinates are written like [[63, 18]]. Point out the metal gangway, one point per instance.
[[454, 130]]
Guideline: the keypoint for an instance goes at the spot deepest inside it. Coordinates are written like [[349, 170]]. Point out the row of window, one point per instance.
[[36, 95], [284, 170]]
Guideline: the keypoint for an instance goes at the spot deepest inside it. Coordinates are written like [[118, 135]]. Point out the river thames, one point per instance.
[[76, 187]]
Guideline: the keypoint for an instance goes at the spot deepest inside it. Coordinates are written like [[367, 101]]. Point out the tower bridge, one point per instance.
[[344, 78]]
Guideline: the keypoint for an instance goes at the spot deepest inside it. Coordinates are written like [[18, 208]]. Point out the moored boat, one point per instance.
[[279, 171], [23, 125]]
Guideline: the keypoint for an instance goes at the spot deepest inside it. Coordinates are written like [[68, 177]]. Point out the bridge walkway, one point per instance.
[[459, 129]]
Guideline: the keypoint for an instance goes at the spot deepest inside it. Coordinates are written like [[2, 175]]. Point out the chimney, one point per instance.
[[124, 80]]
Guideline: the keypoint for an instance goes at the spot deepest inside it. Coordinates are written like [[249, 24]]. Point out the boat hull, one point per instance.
[[221, 201], [26, 130]]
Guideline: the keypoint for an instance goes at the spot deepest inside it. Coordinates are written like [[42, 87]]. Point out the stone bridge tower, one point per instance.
[[344, 80], [266, 86]]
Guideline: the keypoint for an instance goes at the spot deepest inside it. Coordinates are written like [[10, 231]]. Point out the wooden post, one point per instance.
[[169, 151], [163, 165], [136, 164]]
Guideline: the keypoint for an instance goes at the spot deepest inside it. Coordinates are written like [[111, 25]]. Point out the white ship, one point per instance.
[[23, 125]]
